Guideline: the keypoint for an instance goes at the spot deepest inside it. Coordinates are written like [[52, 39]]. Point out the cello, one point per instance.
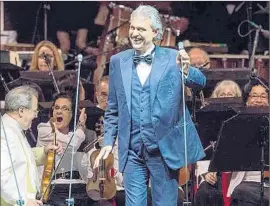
[[48, 168]]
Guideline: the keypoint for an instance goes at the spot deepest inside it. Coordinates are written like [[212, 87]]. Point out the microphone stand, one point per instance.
[[263, 128], [249, 17], [4, 83], [252, 57], [46, 7], [48, 61], [70, 201], [263, 135]]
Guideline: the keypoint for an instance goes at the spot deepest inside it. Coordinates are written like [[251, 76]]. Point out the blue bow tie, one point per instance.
[[148, 59]]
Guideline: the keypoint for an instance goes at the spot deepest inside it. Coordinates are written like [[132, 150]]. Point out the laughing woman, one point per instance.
[[63, 114]]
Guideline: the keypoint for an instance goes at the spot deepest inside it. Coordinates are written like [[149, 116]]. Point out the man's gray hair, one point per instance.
[[152, 14], [104, 79], [20, 97]]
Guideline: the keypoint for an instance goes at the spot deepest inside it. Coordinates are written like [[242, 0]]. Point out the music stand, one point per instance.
[[44, 81], [243, 143], [211, 116]]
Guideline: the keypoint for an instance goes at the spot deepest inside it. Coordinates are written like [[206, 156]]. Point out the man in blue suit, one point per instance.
[[145, 110]]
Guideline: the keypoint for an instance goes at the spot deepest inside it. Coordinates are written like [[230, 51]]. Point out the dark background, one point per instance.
[[208, 21]]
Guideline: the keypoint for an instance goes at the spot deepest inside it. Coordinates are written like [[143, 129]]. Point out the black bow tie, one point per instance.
[[148, 59]]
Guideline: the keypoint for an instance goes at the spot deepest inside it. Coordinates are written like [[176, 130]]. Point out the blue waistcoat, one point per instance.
[[142, 131]]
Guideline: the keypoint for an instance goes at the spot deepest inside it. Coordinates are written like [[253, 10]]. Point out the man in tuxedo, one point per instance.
[[145, 111]]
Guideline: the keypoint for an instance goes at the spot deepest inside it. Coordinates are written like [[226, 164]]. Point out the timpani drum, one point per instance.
[[120, 19], [171, 25]]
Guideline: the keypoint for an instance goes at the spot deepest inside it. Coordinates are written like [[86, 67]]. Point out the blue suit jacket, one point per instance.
[[166, 107]]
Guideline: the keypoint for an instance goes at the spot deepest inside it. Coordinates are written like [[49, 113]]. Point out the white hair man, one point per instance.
[[19, 176]]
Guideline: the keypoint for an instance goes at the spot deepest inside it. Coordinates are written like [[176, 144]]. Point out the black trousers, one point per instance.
[[208, 195], [119, 200], [248, 194], [60, 193]]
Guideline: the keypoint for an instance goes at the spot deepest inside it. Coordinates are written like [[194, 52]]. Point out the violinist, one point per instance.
[[21, 106], [145, 111], [102, 89], [63, 113]]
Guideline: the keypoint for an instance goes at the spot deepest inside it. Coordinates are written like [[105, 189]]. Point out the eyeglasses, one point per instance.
[[262, 97], [103, 94], [36, 111], [63, 109]]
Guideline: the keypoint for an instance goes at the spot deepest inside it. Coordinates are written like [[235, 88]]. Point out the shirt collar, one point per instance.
[[149, 51], [12, 121]]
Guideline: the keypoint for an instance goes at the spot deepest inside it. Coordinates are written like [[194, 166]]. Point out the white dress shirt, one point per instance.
[[144, 69], [45, 137]]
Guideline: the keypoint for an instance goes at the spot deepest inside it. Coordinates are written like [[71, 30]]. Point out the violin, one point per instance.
[[183, 175], [48, 168], [102, 184]]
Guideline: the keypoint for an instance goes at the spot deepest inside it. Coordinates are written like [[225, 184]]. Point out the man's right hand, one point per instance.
[[31, 202], [104, 153], [211, 177]]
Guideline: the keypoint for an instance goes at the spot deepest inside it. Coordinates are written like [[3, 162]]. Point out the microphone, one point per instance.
[[185, 66], [258, 27], [46, 57]]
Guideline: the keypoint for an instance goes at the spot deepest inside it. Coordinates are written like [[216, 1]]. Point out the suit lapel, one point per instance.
[[126, 65], [161, 60]]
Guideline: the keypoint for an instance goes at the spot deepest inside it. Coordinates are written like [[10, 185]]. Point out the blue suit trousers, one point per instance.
[[142, 166]]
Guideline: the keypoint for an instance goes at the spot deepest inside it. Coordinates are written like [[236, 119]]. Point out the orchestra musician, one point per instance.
[[198, 58], [145, 111], [38, 62], [102, 89], [244, 187], [63, 112], [17, 157], [209, 193]]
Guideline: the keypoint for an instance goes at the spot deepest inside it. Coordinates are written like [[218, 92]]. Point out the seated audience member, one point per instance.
[[46, 48], [199, 58], [244, 187], [62, 118], [209, 193]]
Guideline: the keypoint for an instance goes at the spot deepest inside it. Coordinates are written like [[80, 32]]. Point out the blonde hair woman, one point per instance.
[[226, 88], [38, 63]]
